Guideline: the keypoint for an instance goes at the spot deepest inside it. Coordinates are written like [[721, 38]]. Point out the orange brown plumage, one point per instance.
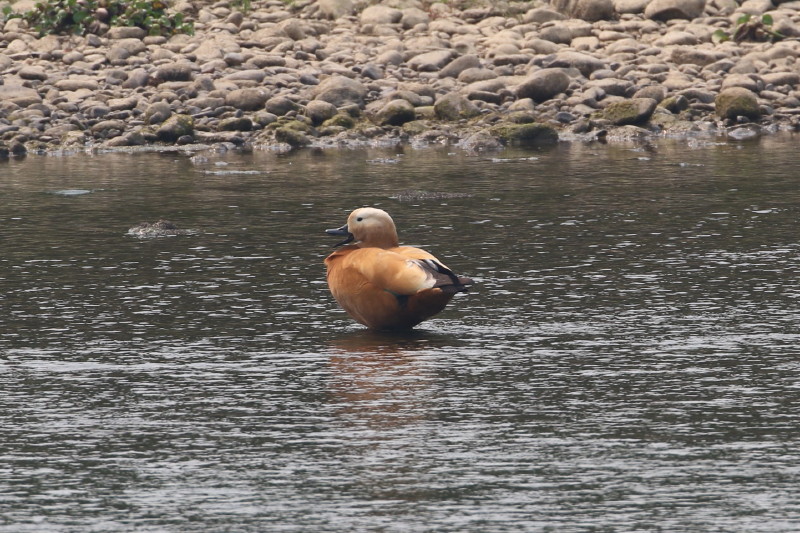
[[384, 285]]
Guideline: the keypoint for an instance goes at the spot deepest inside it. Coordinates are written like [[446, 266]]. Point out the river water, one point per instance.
[[627, 361]]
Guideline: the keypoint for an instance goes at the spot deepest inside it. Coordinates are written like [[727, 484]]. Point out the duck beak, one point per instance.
[[341, 231]]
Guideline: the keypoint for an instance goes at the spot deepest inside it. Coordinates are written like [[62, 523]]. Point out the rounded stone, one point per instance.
[[635, 111], [525, 135], [126, 32], [340, 91], [318, 111], [588, 10], [157, 113], [280, 105], [175, 127], [235, 124], [453, 106], [395, 113], [664, 10], [248, 99], [455, 67], [32, 73], [174, 72], [735, 102], [380, 14], [543, 85]]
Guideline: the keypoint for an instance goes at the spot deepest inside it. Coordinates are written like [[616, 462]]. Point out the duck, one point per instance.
[[381, 284]]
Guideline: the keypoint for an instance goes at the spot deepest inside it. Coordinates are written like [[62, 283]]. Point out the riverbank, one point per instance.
[[338, 72]]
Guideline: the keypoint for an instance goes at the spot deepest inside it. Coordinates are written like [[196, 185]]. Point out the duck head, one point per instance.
[[370, 227]]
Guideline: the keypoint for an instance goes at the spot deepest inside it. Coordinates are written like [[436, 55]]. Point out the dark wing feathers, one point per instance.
[[445, 278]]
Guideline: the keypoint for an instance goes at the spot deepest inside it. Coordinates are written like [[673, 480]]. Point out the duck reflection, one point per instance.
[[384, 380]]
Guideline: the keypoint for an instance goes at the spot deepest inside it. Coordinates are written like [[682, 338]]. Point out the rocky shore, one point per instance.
[[478, 74]]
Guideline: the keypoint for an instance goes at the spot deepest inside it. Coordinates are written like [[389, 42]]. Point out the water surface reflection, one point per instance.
[[626, 362]]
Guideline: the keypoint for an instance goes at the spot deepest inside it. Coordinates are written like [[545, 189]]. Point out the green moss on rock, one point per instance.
[[395, 113], [635, 111], [521, 117], [343, 120], [453, 106], [525, 135], [737, 102], [291, 136], [175, 127], [416, 127], [675, 104]]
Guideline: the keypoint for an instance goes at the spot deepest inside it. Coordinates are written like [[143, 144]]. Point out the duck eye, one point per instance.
[[359, 219]]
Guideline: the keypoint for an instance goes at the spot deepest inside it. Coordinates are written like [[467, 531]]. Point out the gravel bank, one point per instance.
[[342, 72]]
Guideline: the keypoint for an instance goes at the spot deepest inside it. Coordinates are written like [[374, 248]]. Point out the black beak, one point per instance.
[[341, 231]]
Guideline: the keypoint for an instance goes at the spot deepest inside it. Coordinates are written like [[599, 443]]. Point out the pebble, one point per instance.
[[334, 70]]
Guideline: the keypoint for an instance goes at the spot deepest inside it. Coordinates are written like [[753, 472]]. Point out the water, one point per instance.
[[626, 362]]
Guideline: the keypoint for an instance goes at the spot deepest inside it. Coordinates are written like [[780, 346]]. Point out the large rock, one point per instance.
[[108, 128], [46, 44], [280, 105], [635, 111], [656, 92], [588, 10], [735, 102], [471, 75], [175, 127], [454, 106], [157, 113], [319, 111], [28, 72], [294, 133], [136, 78], [674, 9], [77, 83], [174, 72], [525, 135], [131, 46], [21, 96], [459, 65], [748, 81], [333, 9], [380, 14], [540, 15], [121, 104], [340, 91], [413, 16], [395, 113], [782, 78], [543, 84], [248, 99]]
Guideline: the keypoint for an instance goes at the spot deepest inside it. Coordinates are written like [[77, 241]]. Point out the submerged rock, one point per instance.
[[160, 228], [411, 195]]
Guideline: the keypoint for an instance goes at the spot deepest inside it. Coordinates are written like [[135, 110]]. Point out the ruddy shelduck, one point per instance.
[[384, 285]]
